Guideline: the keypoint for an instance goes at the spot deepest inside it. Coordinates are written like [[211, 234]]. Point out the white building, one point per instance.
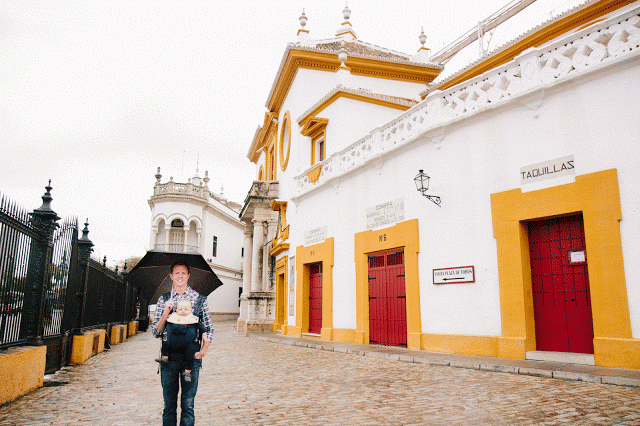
[[188, 217], [529, 247]]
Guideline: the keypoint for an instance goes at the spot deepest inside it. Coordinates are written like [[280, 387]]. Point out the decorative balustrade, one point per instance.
[[171, 187], [607, 42]]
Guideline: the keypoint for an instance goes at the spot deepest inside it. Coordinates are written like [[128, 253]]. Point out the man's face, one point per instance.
[[180, 277], [183, 310]]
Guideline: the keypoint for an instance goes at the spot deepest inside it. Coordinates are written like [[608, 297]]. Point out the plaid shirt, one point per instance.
[[192, 296]]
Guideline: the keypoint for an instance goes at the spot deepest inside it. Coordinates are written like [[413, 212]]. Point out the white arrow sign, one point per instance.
[[460, 274]]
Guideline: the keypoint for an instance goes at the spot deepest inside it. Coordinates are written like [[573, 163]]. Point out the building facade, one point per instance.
[[520, 242], [188, 217]]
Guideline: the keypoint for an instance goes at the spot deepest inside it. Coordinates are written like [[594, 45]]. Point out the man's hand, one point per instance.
[[199, 355], [167, 308]]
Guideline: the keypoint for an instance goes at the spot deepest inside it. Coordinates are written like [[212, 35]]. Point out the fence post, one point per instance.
[[85, 247], [44, 221]]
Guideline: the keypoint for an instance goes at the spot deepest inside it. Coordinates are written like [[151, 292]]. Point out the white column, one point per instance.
[[168, 237], [199, 249], [185, 229], [246, 261], [256, 265]]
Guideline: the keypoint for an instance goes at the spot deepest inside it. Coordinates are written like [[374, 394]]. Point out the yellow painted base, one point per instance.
[[22, 371], [118, 334], [133, 328], [82, 346], [619, 353], [344, 335], [460, 344]]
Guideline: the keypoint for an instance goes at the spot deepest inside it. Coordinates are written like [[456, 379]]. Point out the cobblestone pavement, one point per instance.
[[248, 381]]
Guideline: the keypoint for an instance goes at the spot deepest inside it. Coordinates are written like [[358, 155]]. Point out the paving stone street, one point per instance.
[[248, 381]]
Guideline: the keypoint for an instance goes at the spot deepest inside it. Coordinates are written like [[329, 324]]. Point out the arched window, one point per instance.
[[177, 236]]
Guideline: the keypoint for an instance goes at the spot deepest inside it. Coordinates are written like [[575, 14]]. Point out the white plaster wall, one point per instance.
[[350, 120], [595, 118], [230, 239], [224, 299]]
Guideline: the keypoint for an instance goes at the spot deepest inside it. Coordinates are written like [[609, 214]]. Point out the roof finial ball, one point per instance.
[[346, 13], [423, 37], [303, 19], [303, 35]]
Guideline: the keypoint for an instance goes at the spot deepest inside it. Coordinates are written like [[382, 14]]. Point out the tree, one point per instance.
[[130, 261]]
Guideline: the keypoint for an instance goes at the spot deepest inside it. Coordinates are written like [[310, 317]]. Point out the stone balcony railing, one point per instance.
[[174, 188], [613, 40], [176, 248]]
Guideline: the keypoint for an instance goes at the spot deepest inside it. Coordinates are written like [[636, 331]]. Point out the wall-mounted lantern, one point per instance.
[[422, 185]]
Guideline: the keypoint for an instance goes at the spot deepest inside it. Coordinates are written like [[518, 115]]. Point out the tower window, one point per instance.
[[215, 246]]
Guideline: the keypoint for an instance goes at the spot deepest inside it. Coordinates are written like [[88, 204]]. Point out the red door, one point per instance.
[[315, 297], [387, 299], [561, 299]]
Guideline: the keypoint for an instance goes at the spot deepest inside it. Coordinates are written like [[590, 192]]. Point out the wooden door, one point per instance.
[[387, 299], [315, 297], [560, 284]]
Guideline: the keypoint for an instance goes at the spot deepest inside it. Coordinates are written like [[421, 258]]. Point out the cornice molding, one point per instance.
[[297, 58], [575, 20]]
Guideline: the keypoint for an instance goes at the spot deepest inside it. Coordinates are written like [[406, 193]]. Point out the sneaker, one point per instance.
[[187, 376], [162, 360]]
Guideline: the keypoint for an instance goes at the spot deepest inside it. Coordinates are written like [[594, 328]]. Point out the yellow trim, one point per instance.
[[321, 252], [286, 124], [82, 345], [355, 96], [312, 126], [271, 151], [264, 137], [323, 61], [461, 344], [261, 173], [314, 174], [346, 32], [579, 19], [280, 320], [597, 196], [402, 235], [282, 233], [22, 371]]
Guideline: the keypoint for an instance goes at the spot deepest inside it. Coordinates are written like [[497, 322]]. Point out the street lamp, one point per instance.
[[422, 185]]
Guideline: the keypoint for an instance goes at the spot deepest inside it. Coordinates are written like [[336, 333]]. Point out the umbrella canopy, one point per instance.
[[152, 274]]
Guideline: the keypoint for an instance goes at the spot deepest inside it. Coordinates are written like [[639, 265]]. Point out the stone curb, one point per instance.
[[496, 368]]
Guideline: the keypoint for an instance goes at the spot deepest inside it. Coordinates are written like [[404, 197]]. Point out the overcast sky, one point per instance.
[[95, 95]]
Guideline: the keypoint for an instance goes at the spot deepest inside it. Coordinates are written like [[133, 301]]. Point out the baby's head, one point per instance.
[[183, 307]]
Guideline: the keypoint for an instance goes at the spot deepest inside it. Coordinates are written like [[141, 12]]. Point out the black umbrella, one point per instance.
[[152, 274]]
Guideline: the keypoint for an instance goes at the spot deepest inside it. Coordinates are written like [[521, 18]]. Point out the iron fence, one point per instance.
[[50, 288]]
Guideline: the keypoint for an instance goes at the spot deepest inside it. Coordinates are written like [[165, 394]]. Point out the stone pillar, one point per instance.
[[246, 261], [167, 240], [257, 304], [256, 257], [246, 278]]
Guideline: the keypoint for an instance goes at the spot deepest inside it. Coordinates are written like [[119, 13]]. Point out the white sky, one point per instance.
[[96, 95]]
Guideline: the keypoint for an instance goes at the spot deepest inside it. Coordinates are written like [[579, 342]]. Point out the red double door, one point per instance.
[[561, 298], [315, 297], [387, 299]]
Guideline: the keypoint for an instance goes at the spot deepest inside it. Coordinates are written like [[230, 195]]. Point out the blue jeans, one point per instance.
[[172, 381]]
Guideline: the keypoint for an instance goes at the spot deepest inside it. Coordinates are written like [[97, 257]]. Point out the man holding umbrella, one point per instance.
[[170, 376]]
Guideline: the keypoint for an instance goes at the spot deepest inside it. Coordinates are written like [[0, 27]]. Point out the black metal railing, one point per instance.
[[50, 288]]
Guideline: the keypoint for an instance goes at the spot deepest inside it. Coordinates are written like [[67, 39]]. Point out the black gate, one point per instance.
[[50, 289]]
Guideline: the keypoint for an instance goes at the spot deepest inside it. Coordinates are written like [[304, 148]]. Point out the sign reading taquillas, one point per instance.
[[547, 170]]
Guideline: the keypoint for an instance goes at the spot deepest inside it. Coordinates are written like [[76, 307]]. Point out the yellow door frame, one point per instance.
[[321, 252], [402, 235], [597, 196]]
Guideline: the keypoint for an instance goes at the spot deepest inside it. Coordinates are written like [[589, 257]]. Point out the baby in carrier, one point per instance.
[[182, 333]]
